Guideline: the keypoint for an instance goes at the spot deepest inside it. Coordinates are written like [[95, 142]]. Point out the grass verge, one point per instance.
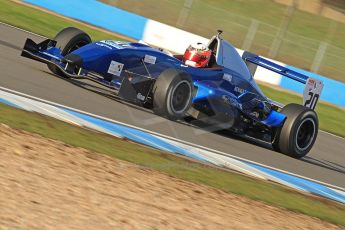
[[270, 193], [43, 23]]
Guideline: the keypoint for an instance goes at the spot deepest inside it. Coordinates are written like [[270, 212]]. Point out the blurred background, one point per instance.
[[309, 34]]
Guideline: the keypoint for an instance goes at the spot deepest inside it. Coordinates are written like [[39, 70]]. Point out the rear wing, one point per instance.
[[312, 89]]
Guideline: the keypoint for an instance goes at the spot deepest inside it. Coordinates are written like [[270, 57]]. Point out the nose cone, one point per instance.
[[94, 51]]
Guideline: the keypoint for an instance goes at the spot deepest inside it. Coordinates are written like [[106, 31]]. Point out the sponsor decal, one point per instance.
[[311, 81], [227, 77], [140, 97], [103, 45], [116, 44], [115, 68], [150, 59], [239, 90]]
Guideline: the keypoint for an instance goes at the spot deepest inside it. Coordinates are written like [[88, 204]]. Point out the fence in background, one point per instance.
[[177, 40], [272, 30]]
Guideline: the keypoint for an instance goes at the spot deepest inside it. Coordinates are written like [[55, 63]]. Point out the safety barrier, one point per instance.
[[171, 38]]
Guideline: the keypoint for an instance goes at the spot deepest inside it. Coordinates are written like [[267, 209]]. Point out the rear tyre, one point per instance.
[[68, 40], [298, 134], [172, 94]]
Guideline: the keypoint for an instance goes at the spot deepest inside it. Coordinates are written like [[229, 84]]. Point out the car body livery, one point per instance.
[[223, 94]]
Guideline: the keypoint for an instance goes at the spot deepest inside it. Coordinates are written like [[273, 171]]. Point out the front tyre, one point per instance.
[[172, 94], [68, 40], [298, 134]]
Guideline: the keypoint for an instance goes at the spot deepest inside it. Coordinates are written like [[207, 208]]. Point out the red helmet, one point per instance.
[[197, 55]]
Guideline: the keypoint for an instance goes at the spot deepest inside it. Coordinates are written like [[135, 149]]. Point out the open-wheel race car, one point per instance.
[[211, 83]]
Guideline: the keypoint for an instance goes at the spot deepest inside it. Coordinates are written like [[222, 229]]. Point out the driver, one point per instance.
[[197, 55]]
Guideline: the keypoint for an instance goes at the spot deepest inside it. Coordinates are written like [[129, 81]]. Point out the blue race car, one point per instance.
[[222, 94]]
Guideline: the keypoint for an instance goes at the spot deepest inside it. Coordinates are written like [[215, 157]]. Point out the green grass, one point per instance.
[[332, 119], [300, 44], [43, 23], [269, 193]]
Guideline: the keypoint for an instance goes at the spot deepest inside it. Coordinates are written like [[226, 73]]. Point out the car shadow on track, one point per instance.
[[7, 44]]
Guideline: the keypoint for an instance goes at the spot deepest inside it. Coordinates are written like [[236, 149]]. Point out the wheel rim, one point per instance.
[[180, 97], [305, 134]]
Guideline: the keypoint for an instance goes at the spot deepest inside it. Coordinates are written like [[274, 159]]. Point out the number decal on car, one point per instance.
[[312, 92]]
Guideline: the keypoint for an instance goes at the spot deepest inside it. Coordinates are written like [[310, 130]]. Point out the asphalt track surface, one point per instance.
[[325, 162]]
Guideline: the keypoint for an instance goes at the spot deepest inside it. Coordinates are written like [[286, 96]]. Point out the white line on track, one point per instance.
[[17, 28], [331, 134], [169, 137]]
